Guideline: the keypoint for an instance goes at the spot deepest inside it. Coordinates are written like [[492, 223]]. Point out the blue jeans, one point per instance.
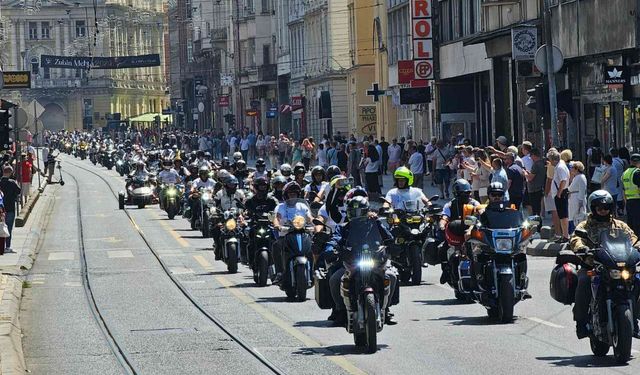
[[10, 218]]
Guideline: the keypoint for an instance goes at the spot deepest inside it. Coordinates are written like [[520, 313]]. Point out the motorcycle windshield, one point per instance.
[[617, 245], [364, 233], [410, 206], [506, 219]]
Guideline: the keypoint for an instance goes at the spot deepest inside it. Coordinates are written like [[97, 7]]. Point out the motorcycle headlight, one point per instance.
[[393, 219], [504, 244], [298, 222], [366, 264], [625, 274], [171, 193], [231, 224], [415, 232], [206, 196], [119, 162]]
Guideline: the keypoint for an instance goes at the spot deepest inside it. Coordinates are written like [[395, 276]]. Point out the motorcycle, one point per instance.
[[262, 260], [325, 265], [614, 284], [364, 287], [407, 226], [93, 156], [200, 215], [494, 272], [108, 159], [82, 151], [139, 192], [122, 166], [172, 197], [430, 255], [231, 237], [297, 249]]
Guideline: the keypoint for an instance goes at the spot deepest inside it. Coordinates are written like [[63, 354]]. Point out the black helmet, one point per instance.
[[601, 199], [357, 206], [285, 170], [167, 164], [207, 155], [318, 170], [260, 184], [291, 187], [199, 153], [461, 187], [299, 169], [332, 171], [225, 162], [278, 180], [241, 165], [260, 163]]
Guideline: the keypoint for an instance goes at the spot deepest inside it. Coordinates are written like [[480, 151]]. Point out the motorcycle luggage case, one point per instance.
[[563, 283], [322, 291], [430, 252]]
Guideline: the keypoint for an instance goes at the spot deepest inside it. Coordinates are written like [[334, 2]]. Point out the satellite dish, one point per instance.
[[21, 117]]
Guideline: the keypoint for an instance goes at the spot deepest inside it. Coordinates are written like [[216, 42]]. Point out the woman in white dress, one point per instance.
[[577, 195]]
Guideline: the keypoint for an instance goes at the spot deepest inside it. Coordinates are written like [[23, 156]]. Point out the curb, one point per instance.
[[544, 248], [21, 219], [11, 355]]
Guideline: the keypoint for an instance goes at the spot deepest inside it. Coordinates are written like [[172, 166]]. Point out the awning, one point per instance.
[[151, 117], [298, 111]]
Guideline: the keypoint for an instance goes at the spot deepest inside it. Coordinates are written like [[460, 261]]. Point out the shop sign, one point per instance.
[[297, 102], [17, 80], [524, 43], [223, 101], [422, 39], [406, 72], [367, 118], [615, 75]]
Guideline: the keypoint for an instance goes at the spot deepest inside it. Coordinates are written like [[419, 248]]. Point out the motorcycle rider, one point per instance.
[[167, 153], [357, 205], [285, 212], [183, 172], [332, 172], [201, 161], [298, 174], [277, 187], [333, 211], [168, 175], [261, 169], [225, 199], [241, 172], [602, 207], [317, 185], [261, 202], [453, 214], [286, 171], [403, 191]]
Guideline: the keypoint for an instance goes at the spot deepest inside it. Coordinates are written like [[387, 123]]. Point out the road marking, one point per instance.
[[61, 255], [542, 321], [119, 254], [105, 239], [306, 340], [174, 234], [203, 262], [73, 284], [180, 270]]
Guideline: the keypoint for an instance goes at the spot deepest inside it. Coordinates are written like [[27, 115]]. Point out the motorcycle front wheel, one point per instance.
[[506, 299], [598, 348], [262, 268], [301, 283], [622, 334], [416, 264], [371, 325], [206, 228]]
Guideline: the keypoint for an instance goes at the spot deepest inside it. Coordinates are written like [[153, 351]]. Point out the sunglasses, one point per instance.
[[496, 195]]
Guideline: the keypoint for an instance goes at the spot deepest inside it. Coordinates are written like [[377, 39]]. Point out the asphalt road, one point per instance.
[[162, 332]]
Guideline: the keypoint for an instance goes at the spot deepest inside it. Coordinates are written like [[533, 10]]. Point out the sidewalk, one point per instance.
[[13, 268]]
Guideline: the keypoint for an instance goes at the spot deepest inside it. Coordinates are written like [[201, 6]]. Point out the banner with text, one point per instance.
[[86, 62], [422, 37], [367, 118]]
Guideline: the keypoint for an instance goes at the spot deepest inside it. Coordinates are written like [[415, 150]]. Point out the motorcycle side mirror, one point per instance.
[[534, 220], [434, 198], [317, 221], [582, 234], [470, 221]]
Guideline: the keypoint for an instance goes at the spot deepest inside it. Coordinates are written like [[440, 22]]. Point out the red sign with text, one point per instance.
[[406, 72], [223, 101], [422, 38]]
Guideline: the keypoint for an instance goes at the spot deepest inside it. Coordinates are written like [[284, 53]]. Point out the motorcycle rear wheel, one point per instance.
[[506, 299], [121, 202], [172, 210], [232, 260], [416, 264], [206, 229], [262, 268], [623, 334], [301, 283], [371, 325]]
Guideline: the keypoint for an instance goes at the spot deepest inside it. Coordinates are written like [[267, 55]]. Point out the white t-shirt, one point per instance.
[[416, 163], [398, 196], [372, 166], [288, 213], [322, 157], [578, 198], [322, 187], [227, 202], [169, 176], [329, 220], [561, 173], [394, 152], [207, 185], [527, 162]]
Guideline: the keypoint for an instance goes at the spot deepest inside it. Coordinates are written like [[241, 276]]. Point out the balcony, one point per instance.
[[268, 73], [218, 35]]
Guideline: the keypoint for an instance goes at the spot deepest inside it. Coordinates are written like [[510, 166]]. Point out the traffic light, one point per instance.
[[539, 99], [5, 130], [230, 119]]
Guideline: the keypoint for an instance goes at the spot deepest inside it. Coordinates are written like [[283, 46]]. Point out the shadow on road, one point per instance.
[[582, 361], [195, 237], [315, 323], [335, 350], [469, 320], [281, 298], [441, 302]]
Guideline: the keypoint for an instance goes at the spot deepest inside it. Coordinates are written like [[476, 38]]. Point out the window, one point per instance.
[[266, 6], [45, 30], [47, 73], [33, 30], [81, 29], [399, 35], [266, 54], [35, 66]]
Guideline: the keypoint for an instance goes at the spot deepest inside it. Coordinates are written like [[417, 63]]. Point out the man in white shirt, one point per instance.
[[395, 152], [527, 162], [416, 165]]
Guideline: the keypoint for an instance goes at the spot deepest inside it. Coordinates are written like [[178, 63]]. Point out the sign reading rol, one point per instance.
[[422, 38]]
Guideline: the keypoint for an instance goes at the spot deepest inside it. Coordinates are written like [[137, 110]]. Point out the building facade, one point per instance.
[[77, 98]]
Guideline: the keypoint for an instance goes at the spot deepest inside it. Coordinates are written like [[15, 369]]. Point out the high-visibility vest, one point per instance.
[[631, 190]]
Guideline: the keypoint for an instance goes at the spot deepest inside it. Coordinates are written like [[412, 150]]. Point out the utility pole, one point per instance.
[[551, 77], [236, 81]]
